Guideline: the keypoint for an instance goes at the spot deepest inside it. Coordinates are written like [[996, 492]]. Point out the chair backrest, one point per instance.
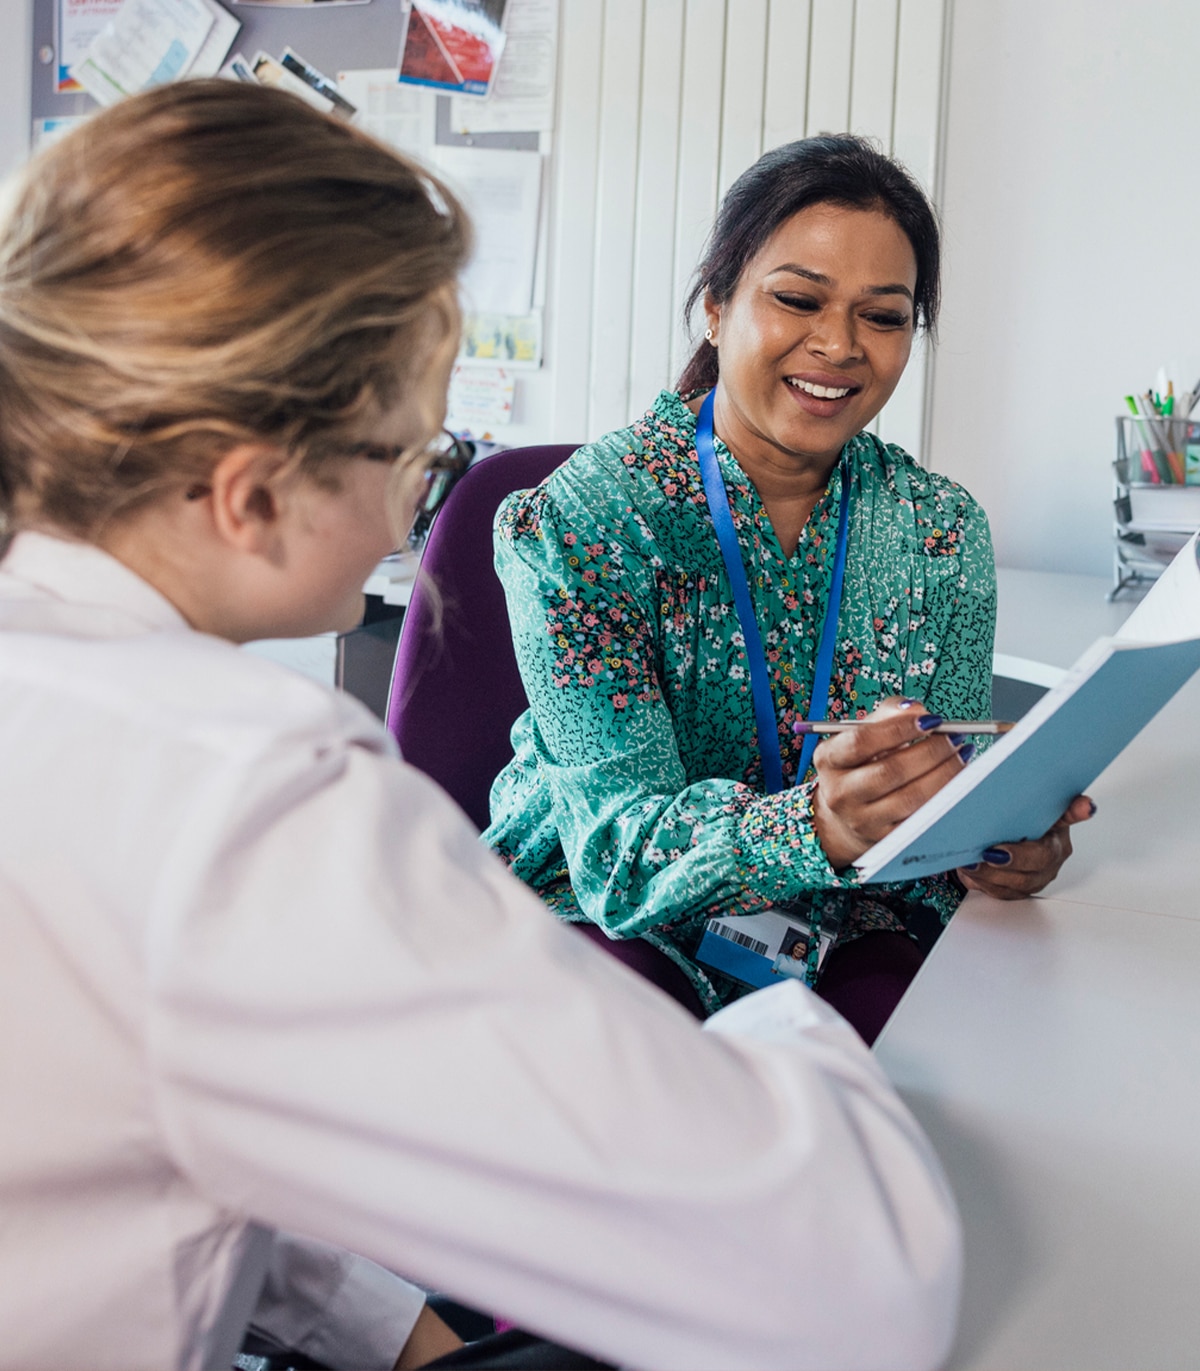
[[455, 689]]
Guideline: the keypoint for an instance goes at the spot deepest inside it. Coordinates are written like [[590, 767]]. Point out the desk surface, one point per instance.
[[1051, 1049], [1052, 618]]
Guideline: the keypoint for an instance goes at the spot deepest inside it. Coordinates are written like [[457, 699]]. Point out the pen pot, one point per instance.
[[1157, 451]]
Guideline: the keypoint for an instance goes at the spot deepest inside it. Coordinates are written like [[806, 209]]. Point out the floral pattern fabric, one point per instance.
[[635, 798]]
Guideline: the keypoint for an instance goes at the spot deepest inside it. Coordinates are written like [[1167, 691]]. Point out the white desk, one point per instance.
[[1051, 1048]]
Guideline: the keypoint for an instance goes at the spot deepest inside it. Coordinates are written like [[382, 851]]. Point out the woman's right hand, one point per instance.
[[871, 779]]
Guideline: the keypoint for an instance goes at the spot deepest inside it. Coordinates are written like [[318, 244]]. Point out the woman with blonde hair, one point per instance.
[[258, 974]]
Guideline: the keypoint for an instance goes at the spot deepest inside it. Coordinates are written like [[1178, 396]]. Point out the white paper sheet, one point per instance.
[[148, 43], [403, 116], [216, 46], [501, 188], [522, 95], [480, 400]]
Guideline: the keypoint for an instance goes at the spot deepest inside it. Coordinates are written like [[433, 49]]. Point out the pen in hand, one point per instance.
[[823, 727]]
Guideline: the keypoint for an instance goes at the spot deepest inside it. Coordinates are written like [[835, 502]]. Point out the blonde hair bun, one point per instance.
[[203, 264]]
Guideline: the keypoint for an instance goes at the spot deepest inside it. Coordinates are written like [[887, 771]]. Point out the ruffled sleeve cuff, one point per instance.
[[777, 851]]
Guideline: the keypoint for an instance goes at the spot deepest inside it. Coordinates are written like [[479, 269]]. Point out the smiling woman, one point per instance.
[[746, 556]]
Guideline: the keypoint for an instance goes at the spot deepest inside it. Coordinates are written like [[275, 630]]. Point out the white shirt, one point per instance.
[[258, 971]]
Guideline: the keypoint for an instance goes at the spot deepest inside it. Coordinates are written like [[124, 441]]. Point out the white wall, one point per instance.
[[15, 21], [1071, 199]]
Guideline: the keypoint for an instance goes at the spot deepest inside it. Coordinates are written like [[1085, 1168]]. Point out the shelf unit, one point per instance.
[[1151, 519]]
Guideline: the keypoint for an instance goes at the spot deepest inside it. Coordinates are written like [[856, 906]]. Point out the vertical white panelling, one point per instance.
[[663, 103], [571, 259], [742, 98], [916, 123], [616, 182], [830, 53], [873, 73], [902, 419], [654, 257], [699, 153], [786, 95], [873, 76], [916, 140]]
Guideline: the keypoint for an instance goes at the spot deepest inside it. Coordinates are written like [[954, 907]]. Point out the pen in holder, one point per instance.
[[1157, 450]]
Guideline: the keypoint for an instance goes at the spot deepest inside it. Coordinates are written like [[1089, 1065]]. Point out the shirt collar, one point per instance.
[[84, 575]]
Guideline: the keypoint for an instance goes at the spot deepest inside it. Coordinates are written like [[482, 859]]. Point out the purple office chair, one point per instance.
[[456, 691]]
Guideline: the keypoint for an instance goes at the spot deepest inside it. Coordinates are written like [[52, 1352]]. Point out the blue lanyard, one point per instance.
[[760, 686]]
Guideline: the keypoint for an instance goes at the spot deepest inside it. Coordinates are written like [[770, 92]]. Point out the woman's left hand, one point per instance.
[[1023, 869]]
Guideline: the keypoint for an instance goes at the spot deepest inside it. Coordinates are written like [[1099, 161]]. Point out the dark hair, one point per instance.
[[838, 169]]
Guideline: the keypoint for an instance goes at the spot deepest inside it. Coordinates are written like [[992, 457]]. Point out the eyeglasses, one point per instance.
[[445, 461]]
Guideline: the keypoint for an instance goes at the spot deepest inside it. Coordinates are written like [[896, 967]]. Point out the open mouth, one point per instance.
[[820, 392]]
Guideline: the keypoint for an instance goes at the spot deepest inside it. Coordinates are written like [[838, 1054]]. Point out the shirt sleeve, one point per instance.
[[435, 1073], [645, 847], [337, 1308]]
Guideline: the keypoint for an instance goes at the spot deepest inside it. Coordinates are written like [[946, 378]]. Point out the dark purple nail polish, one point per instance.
[[1091, 808], [906, 703], [996, 856], [966, 753], [971, 866], [957, 739], [928, 721]]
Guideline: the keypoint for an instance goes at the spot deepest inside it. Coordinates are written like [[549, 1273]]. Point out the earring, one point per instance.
[[708, 334]]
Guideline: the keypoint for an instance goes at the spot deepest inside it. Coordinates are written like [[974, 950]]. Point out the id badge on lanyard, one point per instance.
[[780, 943]]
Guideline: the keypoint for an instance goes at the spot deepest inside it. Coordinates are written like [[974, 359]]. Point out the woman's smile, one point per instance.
[[814, 338]]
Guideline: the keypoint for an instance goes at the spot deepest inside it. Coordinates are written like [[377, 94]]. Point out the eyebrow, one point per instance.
[[815, 276]]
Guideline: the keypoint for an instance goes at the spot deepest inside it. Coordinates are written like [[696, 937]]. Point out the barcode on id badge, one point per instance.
[[742, 939]]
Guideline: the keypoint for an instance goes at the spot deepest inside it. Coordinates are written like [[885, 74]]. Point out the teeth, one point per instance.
[[821, 392]]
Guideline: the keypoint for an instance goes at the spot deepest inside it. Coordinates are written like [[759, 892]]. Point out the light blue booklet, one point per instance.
[[1022, 785]]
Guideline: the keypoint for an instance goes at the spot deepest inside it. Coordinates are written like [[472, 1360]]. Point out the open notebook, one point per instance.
[[1022, 785]]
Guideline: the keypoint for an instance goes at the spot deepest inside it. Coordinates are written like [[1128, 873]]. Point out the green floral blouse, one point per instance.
[[635, 798]]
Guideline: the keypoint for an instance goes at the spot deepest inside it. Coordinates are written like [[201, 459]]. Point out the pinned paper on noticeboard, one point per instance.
[[480, 400], [292, 73], [454, 45], [522, 94], [512, 340], [403, 116], [501, 188], [77, 24], [146, 43], [284, 4]]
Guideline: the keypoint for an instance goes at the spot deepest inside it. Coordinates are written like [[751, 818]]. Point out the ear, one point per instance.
[[249, 491], [712, 317]]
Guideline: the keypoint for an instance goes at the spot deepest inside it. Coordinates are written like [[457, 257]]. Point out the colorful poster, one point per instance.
[[77, 23], [513, 339], [453, 45]]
